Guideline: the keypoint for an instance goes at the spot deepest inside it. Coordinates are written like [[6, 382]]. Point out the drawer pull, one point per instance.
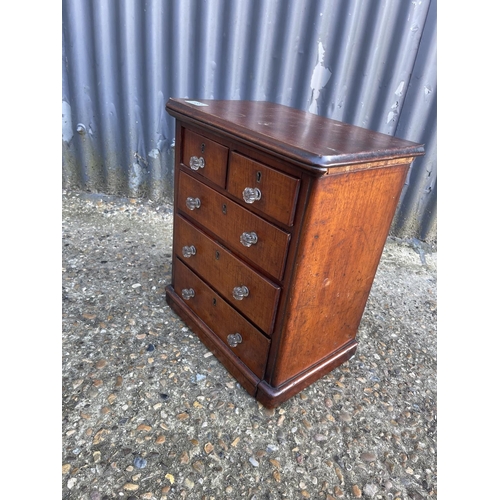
[[240, 292], [234, 339], [251, 194], [187, 293], [193, 203], [195, 163], [248, 239], [188, 251]]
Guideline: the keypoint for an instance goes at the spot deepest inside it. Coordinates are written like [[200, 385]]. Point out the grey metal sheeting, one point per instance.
[[371, 63]]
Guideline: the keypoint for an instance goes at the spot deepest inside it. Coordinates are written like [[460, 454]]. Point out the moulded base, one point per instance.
[[266, 394]]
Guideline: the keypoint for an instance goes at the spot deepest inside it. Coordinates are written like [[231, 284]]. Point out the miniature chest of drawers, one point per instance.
[[280, 220]]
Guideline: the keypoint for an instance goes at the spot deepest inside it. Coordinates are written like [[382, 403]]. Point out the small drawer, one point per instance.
[[204, 156], [253, 295], [264, 188], [243, 339], [246, 234]]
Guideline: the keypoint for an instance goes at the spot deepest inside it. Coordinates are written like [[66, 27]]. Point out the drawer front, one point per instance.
[[262, 187], [239, 229], [249, 292], [244, 340], [204, 156]]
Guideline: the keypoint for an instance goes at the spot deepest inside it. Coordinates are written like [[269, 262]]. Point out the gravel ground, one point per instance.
[[149, 413]]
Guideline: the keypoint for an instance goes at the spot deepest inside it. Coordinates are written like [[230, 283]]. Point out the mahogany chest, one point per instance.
[[280, 220]]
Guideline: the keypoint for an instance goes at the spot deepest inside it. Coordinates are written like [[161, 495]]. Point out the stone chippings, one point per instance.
[[149, 413]]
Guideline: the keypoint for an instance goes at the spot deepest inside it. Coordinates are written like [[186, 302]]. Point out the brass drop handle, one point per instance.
[[251, 194], [187, 293], [188, 251], [240, 292], [234, 339], [248, 239], [196, 163], [193, 203]]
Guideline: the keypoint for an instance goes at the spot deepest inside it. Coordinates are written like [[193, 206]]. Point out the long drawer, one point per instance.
[[244, 340], [253, 295], [245, 233]]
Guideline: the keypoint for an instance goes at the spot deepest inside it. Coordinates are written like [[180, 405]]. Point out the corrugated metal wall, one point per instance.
[[371, 63]]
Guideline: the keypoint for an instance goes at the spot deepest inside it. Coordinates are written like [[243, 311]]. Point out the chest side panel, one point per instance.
[[344, 231]]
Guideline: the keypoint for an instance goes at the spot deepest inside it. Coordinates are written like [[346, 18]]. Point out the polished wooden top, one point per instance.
[[315, 142]]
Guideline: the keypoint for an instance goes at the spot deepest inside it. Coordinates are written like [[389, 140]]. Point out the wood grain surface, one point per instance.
[[315, 142], [343, 235], [229, 220], [223, 320], [224, 272]]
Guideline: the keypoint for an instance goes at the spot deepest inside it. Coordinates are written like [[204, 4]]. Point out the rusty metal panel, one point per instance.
[[367, 62]]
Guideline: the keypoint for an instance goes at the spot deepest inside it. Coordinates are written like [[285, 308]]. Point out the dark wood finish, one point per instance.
[[278, 190], [229, 221], [329, 192], [213, 154], [222, 319], [314, 142], [224, 272]]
